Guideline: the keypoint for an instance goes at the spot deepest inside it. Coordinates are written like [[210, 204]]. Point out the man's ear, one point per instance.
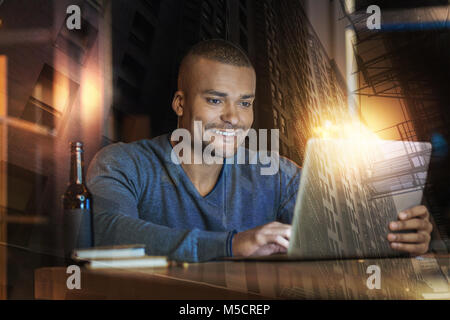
[[177, 103]]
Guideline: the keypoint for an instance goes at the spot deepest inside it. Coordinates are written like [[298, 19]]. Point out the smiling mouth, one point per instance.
[[226, 133]]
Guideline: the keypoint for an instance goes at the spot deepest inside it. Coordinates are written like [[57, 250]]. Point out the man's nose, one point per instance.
[[230, 115]]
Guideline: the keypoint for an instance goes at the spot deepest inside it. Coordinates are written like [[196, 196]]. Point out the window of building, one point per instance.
[[142, 32], [220, 27], [275, 117], [207, 12], [275, 51], [273, 88], [338, 231], [270, 13], [283, 125], [132, 70], [334, 205], [337, 247], [76, 43], [328, 218], [333, 227], [221, 4], [25, 190], [42, 114], [97, 4], [279, 97], [52, 94], [277, 74], [271, 31]]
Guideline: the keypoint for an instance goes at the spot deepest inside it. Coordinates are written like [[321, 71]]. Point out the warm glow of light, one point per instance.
[[61, 93], [360, 138], [90, 95], [349, 130], [91, 104], [351, 76], [353, 137], [3, 171]]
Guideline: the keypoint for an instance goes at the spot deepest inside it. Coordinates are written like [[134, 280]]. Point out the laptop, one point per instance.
[[350, 190]]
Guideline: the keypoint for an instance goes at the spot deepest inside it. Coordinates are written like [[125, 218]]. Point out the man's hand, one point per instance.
[[263, 240], [416, 219]]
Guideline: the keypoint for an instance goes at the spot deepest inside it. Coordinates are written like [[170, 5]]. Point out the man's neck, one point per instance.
[[203, 176]]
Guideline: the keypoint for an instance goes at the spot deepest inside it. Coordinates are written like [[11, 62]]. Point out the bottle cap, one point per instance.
[[76, 145]]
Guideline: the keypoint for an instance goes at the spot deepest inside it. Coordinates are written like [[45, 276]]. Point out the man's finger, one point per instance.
[[277, 248], [272, 248], [411, 248], [269, 249], [279, 229], [280, 240], [412, 224], [414, 212], [285, 232], [417, 237]]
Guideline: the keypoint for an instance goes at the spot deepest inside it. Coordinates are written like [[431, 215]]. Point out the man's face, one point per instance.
[[221, 97]]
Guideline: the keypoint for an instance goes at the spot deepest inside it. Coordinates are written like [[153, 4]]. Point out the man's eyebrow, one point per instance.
[[224, 94], [215, 93]]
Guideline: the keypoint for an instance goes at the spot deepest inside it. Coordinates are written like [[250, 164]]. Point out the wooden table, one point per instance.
[[425, 277]]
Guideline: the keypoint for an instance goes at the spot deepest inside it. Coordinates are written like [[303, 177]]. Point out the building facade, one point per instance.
[[299, 87]]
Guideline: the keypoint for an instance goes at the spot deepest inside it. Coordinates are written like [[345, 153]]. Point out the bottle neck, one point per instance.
[[76, 167]]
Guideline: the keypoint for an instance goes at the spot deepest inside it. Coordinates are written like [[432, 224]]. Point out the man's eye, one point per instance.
[[246, 104], [213, 101]]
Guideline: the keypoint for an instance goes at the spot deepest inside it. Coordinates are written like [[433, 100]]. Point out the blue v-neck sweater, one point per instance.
[[141, 196]]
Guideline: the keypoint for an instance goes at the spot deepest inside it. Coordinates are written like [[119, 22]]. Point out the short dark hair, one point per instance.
[[222, 51], [217, 50]]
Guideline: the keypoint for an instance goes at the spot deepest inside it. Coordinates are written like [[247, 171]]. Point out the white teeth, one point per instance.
[[225, 133]]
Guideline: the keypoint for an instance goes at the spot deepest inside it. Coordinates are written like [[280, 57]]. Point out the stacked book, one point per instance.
[[123, 256]]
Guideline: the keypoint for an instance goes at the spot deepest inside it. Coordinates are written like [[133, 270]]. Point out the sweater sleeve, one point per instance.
[[113, 180]]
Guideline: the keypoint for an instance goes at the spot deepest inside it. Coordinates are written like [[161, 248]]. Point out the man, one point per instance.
[[195, 211]]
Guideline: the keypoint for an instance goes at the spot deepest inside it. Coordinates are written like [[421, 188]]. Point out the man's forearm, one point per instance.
[[183, 245]]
